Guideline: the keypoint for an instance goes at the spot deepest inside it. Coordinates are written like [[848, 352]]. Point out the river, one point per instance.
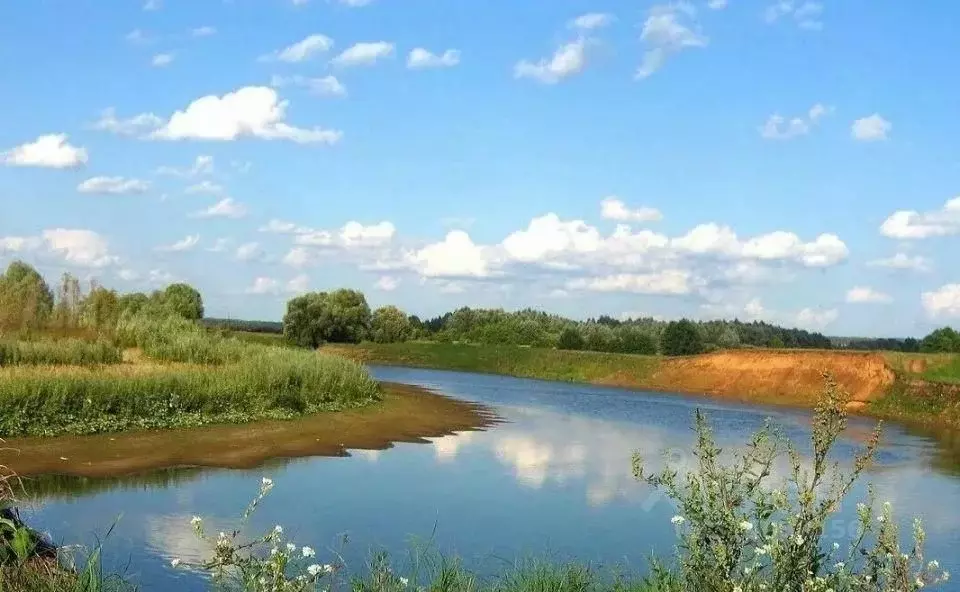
[[553, 481]]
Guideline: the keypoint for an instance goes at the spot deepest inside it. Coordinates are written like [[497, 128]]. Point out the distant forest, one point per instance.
[[641, 335]]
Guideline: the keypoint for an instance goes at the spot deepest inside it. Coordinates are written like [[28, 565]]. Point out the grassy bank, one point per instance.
[[406, 414], [920, 388], [764, 376], [182, 376], [510, 360]]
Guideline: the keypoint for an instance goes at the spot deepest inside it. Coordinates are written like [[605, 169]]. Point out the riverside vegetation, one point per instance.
[[177, 374], [739, 529]]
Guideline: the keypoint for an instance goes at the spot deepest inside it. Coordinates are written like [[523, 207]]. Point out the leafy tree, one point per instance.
[[342, 316], [637, 341], [69, 307], [101, 309], [942, 340], [183, 300], [681, 338], [389, 324], [570, 338], [133, 302], [729, 338], [26, 300]]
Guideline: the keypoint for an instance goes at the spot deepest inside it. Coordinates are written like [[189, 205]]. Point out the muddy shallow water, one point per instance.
[[552, 480]]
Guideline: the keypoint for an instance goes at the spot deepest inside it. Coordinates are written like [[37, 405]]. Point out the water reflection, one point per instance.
[[554, 478]]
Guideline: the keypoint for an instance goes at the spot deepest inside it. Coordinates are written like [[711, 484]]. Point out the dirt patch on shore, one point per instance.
[[407, 414], [775, 376]]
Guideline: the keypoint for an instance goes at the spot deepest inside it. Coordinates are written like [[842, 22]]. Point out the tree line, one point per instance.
[[28, 303], [343, 316]]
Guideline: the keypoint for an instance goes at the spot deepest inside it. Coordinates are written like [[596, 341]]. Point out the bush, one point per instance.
[[681, 338], [739, 531], [571, 339], [390, 325]]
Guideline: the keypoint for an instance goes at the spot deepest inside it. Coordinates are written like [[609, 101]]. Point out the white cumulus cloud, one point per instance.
[[225, 208], [205, 186], [113, 186], [668, 30], [455, 256], [187, 243], [302, 50], [903, 261], [137, 125], [778, 127], [613, 208], [873, 128], [591, 21], [568, 60], [364, 54], [421, 58], [162, 59], [50, 151], [664, 282], [865, 295], [911, 224], [942, 302], [80, 247], [387, 283], [252, 111]]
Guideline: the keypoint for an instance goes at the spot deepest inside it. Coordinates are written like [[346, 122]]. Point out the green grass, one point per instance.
[[526, 362], [266, 383], [74, 352], [276, 339]]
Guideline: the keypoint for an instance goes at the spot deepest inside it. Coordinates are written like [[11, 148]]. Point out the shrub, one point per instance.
[[571, 339], [681, 338], [739, 531], [390, 325]]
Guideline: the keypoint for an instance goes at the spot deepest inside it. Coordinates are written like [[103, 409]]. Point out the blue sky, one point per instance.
[[787, 161]]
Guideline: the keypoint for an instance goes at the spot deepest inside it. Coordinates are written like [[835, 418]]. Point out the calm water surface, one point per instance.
[[552, 482]]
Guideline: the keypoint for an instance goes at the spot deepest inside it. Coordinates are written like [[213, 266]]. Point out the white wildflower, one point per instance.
[[196, 520], [314, 570], [677, 520], [291, 547], [308, 552], [266, 483], [746, 526], [404, 582], [278, 529]]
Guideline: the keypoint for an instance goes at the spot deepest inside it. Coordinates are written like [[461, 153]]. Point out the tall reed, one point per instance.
[[74, 352], [266, 383]]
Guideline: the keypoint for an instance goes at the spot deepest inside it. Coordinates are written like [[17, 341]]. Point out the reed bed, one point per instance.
[[73, 352], [268, 383]]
